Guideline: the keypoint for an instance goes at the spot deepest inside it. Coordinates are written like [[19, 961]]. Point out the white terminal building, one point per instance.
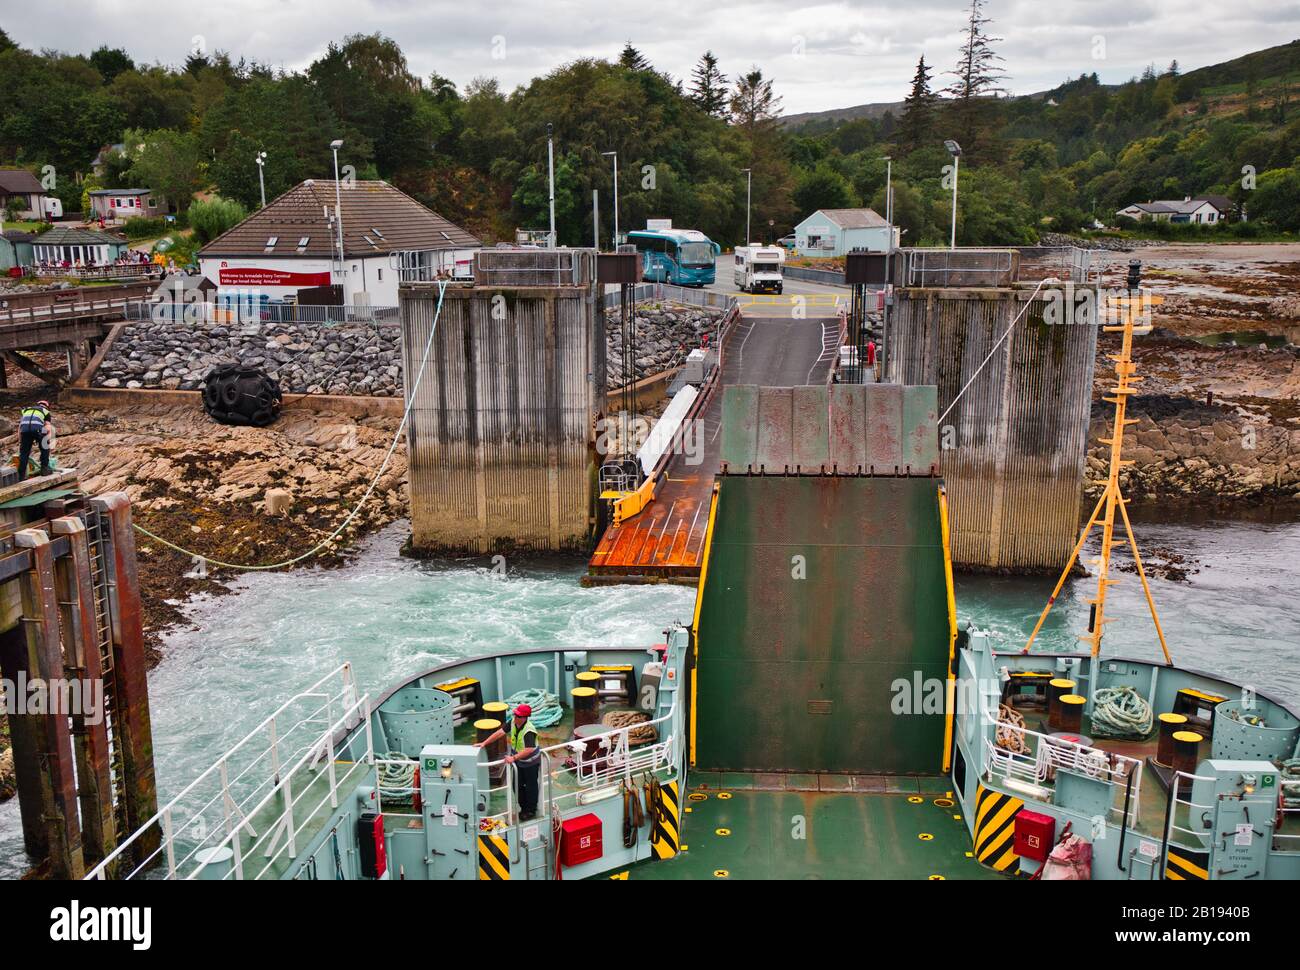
[[289, 250]]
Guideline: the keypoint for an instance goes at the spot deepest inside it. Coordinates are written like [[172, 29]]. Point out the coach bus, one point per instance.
[[685, 257]]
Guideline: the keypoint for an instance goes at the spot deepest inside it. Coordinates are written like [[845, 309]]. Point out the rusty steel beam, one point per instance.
[[89, 728], [131, 722], [58, 786]]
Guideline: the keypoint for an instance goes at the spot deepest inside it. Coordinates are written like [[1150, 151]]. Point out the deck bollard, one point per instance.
[[1170, 724], [486, 727], [1056, 689], [586, 703]]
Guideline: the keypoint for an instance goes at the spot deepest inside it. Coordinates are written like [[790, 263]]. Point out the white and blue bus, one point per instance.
[[685, 257]]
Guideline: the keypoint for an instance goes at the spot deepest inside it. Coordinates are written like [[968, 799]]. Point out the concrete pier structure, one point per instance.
[[505, 409], [1013, 448]]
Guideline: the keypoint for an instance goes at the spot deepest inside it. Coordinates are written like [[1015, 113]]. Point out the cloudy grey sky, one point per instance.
[[821, 54]]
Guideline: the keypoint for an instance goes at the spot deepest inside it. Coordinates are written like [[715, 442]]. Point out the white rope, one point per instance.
[[406, 413], [1049, 279]]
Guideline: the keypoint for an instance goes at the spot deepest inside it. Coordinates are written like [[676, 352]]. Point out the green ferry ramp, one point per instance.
[[823, 633]]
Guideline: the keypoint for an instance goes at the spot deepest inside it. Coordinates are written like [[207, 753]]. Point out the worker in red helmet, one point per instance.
[[524, 754], [35, 429]]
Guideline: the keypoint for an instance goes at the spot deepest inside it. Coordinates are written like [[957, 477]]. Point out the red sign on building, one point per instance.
[[256, 276]]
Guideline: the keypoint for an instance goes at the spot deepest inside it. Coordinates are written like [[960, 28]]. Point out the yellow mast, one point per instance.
[[1112, 498]]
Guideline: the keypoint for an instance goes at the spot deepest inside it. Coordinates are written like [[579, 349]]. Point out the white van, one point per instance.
[[758, 268]]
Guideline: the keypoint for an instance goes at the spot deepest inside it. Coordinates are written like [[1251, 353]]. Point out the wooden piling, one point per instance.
[[131, 722], [58, 787], [89, 726]]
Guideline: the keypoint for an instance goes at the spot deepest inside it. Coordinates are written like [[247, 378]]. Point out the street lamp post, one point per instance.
[[749, 194], [335, 145], [550, 170], [955, 151], [889, 198], [261, 182], [614, 155]]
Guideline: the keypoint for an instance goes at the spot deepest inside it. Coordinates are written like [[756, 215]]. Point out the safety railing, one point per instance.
[[250, 791], [534, 267], [1288, 814], [671, 293], [958, 267], [109, 271], [618, 761], [1030, 761], [254, 313], [1183, 836]]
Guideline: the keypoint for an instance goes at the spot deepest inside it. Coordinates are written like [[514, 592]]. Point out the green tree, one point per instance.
[[822, 188], [916, 125], [110, 62], [166, 162], [976, 80], [709, 86], [209, 218], [632, 59], [1276, 199], [755, 110]]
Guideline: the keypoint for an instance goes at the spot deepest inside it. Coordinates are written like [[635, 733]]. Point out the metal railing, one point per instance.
[[534, 267], [620, 761], [1036, 758], [249, 791], [958, 267], [118, 271], [671, 293], [1289, 809], [199, 313], [1189, 809]]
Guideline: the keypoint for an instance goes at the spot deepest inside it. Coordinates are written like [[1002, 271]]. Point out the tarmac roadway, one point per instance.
[[811, 299], [779, 341]]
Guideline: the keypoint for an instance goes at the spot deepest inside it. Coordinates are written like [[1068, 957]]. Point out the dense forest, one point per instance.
[[1058, 161]]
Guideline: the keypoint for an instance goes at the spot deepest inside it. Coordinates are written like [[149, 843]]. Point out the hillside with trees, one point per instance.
[[1054, 161]]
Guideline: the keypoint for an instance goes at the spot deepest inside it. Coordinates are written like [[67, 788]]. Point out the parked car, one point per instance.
[[786, 241]]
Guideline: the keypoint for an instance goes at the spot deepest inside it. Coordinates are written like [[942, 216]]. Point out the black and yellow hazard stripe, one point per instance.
[[665, 837], [1183, 864], [995, 828], [493, 858]]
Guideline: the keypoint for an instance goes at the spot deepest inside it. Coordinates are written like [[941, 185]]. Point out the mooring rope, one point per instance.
[[1119, 712], [1048, 279], [406, 413], [547, 711]]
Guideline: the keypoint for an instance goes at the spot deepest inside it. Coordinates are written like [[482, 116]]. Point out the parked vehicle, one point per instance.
[[758, 268]]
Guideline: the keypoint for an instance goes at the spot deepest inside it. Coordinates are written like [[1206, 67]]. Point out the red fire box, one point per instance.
[[581, 841], [1034, 835]]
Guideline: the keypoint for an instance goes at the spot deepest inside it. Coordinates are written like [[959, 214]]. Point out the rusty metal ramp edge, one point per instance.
[[822, 622], [884, 429]]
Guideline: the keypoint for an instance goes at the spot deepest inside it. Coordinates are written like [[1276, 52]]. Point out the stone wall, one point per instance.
[[352, 358], [1183, 448], [355, 358], [665, 334]]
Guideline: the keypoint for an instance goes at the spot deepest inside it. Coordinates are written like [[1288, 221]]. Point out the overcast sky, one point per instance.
[[821, 55]]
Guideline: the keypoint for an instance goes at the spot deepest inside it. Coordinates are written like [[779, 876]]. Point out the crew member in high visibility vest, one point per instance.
[[524, 754], [35, 428]]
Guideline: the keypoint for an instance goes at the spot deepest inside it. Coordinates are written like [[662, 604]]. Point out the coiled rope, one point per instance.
[[1120, 712], [406, 413], [397, 777], [547, 711]]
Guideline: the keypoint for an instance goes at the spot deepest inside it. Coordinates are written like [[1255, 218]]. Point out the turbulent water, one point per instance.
[[391, 617]]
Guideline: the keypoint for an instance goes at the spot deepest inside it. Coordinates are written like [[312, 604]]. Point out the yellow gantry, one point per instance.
[[1112, 498]]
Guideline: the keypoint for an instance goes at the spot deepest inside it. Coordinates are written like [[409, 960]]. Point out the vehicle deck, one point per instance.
[[759, 826]]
